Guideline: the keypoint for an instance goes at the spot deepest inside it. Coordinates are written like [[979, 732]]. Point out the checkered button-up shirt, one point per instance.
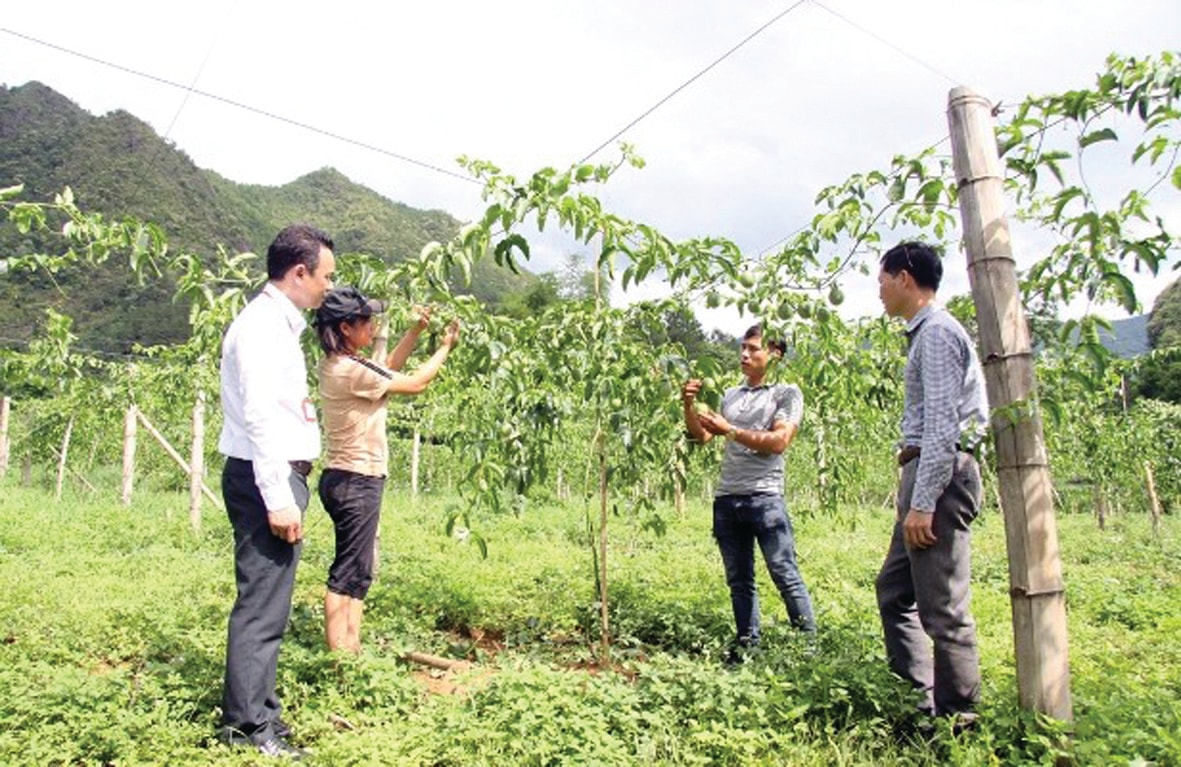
[[946, 403]]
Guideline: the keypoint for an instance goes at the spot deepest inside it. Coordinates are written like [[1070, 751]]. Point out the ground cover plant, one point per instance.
[[113, 620]]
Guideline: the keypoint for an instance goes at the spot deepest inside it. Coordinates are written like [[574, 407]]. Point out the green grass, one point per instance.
[[112, 630]]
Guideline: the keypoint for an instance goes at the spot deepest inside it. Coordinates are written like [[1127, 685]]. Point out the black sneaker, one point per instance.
[[964, 722], [279, 748], [740, 652], [280, 728], [272, 746]]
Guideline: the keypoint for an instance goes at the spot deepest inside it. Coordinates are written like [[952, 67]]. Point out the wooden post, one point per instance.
[[605, 629], [415, 448], [1035, 569], [197, 463], [1154, 507], [1100, 506], [61, 461], [5, 408], [129, 423], [77, 475], [27, 470], [381, 340], [175, 456]]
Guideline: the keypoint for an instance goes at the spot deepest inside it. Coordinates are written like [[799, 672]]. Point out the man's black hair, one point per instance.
[[774, 344], [296, 244], [917, 258]]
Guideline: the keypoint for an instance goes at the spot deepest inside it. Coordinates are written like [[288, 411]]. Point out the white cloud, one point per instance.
[[739, 153]]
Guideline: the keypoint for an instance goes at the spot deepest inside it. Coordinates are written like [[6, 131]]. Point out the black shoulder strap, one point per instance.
[[372, 366]]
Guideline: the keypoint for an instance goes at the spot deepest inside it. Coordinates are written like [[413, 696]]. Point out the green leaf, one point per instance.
[[1106, 134], [1177, 177], [1124, 290]]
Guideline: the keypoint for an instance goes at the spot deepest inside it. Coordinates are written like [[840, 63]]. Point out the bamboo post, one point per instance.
[[1154, 507], [175, 456], [197, 463], [1035, 569], [5, 408], [128, 454], [61, 461], [415, 450], [27, 470]]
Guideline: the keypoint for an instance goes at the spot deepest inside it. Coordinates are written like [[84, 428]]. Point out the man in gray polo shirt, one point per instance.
[[922, 589], [758, 421]]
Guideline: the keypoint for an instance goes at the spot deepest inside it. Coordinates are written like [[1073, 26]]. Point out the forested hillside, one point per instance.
[[117, 165]]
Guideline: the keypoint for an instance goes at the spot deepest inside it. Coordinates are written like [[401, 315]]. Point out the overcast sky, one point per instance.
[[827, 90]]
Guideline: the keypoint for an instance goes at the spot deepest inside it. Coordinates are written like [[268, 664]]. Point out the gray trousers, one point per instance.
[[924, 597], [264, 568]]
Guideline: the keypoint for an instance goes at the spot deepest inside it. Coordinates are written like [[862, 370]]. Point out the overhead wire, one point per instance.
[[897, 49], [693, 79], [246, 107]]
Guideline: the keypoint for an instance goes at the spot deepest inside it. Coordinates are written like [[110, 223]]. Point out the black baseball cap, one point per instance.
[[346, 303]]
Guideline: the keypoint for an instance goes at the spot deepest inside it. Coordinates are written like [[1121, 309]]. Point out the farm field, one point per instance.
[[113, 620]]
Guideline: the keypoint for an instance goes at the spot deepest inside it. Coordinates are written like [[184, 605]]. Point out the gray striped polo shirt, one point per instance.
[[746, 471]]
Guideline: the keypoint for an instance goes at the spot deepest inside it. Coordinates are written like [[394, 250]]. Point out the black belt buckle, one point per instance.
[[972, 450], [302, 468]]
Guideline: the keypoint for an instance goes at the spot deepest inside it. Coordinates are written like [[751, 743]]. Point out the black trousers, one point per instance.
[[264, 568]]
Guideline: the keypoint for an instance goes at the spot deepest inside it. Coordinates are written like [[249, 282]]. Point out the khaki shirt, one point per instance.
[[353, 394]]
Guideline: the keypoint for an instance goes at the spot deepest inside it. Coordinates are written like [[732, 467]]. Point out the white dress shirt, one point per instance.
[[268, 417]]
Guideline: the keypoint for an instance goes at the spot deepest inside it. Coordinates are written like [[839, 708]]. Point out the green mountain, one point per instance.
[[117, 165]]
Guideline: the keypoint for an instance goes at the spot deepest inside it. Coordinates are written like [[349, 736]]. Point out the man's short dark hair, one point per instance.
[[756, 331], [296, 244], [922, 261]]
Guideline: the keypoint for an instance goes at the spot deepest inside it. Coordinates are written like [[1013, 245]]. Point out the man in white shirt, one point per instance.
[[269, 437]]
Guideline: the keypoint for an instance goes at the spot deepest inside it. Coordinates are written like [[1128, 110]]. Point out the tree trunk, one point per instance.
[[1100, 506]]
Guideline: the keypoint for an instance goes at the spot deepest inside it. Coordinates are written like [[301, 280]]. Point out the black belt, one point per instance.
[[302, 468], [911, 452]]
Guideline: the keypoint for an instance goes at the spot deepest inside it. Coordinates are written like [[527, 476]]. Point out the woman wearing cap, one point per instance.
[[354, 391]]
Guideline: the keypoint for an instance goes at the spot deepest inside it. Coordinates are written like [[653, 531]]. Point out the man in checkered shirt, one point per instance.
[[923, 586]]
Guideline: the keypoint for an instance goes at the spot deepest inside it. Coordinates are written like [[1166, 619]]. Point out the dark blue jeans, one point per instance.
[[739, 521]]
